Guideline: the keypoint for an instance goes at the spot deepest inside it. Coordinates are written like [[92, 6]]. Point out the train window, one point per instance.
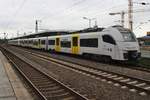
[[30, 41], [108, 39], [35, 42], [66, 44], [75, 41], [91, 42], [129, 36], [26, 41], [42, 41], [51, 42]]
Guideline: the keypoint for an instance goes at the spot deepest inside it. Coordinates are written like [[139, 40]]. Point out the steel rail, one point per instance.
[[75, 94], [132, 86]]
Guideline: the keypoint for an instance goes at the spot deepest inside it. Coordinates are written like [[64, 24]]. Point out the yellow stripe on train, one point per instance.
[[57, 44], [75, 44]]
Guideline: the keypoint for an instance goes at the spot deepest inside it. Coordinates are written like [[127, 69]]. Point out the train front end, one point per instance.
[[128, 45]]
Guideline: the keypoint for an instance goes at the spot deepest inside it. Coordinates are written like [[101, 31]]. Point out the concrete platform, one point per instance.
[[11, 87]]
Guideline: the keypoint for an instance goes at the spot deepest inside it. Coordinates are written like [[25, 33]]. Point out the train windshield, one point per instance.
[[127, 34]]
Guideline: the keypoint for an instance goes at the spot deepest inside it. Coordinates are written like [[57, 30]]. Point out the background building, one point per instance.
[[145, 41]]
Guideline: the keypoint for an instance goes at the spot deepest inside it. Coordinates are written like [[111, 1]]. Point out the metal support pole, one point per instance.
[[89, 23], [36, 26], [4, 36], [122, 18], [130, 10]]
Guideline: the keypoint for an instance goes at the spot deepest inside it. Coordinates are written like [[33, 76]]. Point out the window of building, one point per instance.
[[51, 42], [66, 44], [91, 42], [108, 39]]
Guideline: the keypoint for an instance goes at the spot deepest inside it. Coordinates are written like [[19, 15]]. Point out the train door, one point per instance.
[[57, 44], [109, 46], [75, 45], [46, 43], [39, 43]]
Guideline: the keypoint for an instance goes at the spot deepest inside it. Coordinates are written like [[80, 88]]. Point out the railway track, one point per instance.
[[46, 87], [126, 65], [138, 85]]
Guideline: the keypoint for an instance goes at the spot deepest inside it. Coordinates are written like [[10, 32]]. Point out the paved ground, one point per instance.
[[145, 53], [11, 87]]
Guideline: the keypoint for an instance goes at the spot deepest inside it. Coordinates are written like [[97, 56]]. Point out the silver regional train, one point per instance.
[[112, 43]]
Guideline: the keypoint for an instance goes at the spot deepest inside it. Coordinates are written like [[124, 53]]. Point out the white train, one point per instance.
[[116, 43]]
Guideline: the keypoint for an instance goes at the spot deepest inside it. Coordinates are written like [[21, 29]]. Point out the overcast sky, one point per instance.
[[20, 15]]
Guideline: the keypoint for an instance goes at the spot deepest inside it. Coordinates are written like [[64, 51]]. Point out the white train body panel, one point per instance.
[[43, 43], [115, 42], [91, 50], [51, 42], [30, 42]]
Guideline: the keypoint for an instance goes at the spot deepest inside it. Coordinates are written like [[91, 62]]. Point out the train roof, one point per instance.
[[43, 34], [96, 29], [55, 33]]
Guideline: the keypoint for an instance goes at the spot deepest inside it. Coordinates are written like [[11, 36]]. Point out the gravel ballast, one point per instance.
[[84, 84]]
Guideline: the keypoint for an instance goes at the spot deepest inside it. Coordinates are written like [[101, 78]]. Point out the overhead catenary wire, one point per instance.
[[97, 13], [80, 4], [64, 10]]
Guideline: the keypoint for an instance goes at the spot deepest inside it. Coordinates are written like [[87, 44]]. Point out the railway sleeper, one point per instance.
[[59, 91], [51, 89], [141, 84], [44, 83], [39, 80], [37, 76], [66, 98], [58, 96], [147, 88], [69, 98], [125, 80], [132, 82], [46, 86], [118, 78]]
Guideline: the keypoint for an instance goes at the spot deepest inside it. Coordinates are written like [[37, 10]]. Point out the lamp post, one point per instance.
[[90, 19], [122, 13], [37, 26]]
